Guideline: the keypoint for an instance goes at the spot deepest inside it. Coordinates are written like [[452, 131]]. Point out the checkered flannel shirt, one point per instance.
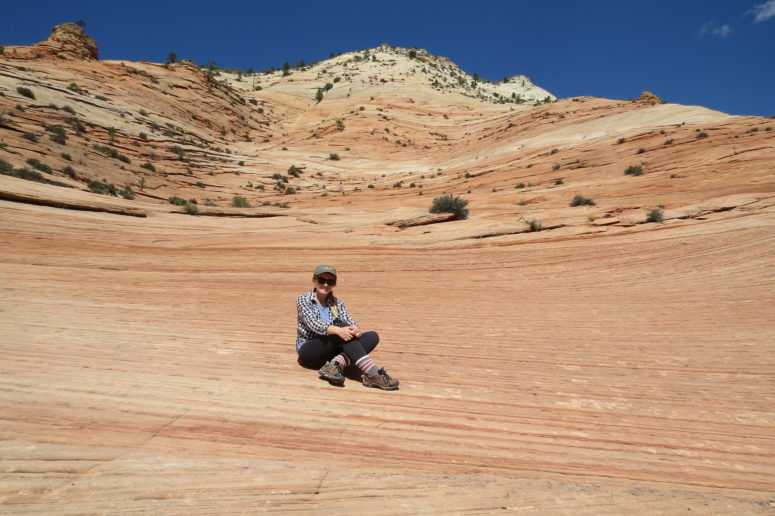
[[309, 323]]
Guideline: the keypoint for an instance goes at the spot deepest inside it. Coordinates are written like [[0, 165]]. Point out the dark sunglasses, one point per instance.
[[326, 281]]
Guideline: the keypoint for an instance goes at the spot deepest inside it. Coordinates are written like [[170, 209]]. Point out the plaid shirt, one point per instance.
[[309, 323]]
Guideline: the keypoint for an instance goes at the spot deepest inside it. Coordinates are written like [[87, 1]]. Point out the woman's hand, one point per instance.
[[341, 332], [346, 333]]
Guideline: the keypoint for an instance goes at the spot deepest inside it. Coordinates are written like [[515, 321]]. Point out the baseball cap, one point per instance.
[[322, 269]]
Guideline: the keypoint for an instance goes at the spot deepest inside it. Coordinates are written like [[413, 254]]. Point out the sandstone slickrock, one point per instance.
[[601, 365]]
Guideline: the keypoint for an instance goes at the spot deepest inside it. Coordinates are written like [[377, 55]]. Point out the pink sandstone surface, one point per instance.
[[602, 365]]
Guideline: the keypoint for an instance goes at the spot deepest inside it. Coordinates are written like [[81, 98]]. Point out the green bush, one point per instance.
[[655, 215], [334, 156], [74, 87], [192, 208], [127, 193], [177, 201], [111, 152], [36, 164], [29, 175], [70, 171], [294, 171], [31, 137], [240, 202], [148, 166], [580, 200], [58, 134], [448, 203], [101, 187], [5, 167], [702, 134], [26, 92], [633, 170]]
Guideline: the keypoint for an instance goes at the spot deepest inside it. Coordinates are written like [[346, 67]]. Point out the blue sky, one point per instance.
[[715, 53]]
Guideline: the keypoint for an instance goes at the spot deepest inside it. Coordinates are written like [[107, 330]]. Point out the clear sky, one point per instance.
[[714, 53]]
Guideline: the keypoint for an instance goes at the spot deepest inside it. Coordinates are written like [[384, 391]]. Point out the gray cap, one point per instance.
[[322, 269]]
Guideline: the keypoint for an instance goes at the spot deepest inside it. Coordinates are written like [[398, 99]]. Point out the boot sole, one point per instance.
[[377, 386], [335, 381]]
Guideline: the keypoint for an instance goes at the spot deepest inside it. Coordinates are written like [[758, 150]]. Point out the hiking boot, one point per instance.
[[332, 372], [381, 380]]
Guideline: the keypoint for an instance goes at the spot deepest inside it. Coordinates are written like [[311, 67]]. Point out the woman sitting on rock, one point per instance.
[[328, 337]]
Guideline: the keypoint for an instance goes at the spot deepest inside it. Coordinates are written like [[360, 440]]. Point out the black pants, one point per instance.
[[315, 352]]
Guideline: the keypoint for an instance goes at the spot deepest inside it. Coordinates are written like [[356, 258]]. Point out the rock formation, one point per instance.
[[66, 41]]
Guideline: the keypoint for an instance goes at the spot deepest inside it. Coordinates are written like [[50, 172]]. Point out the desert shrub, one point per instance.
[[520, 185], [29, 175], [294, 171], [37, 165], [74, 88], [633, 170], [702, 134], [535, 225], [240, 202], [559, 181], [127, 193], [621, 140], [641, 151], [31, 137], [26, 92], [334, 156], [101, 187], [5, 167], [448, 203], [148, 166], [177, 201], [75, 124], [58, 134], [70, 171], [371, 186], [192, 208], [580, 200], [68, 109], [655, 215], [111, 152]]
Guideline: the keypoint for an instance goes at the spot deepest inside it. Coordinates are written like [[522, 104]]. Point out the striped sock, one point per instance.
[[341, 359], [366, 364]]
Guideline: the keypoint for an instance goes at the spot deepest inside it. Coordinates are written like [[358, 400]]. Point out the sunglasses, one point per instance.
[[326, 281]]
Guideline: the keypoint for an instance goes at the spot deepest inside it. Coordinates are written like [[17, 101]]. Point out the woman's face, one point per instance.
[[325, 283]]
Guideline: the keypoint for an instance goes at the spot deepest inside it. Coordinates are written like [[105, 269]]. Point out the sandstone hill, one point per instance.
[[595, 338]]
